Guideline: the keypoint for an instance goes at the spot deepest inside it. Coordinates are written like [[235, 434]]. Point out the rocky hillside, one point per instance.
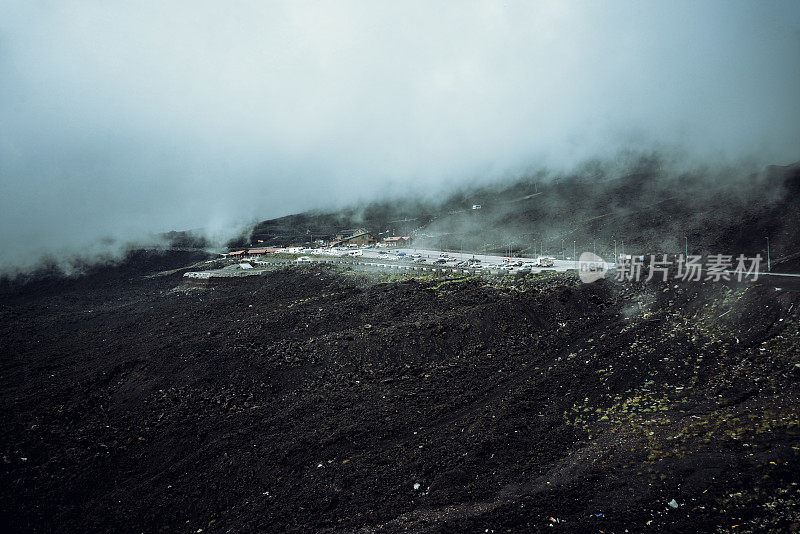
[[312, 399], [641, 204]]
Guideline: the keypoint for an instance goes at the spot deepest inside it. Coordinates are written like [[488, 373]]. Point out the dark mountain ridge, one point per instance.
[[645, 208]]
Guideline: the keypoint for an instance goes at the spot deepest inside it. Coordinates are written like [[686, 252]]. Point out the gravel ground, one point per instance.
[[323, 399]]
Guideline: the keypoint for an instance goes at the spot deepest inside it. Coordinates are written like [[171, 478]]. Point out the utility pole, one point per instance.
[[685, 248], [616, 259], [574, 255], [563, 251], [769, 261]]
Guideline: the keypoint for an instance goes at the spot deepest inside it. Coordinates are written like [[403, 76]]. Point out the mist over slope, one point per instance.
[[118, 122], [645, 204]]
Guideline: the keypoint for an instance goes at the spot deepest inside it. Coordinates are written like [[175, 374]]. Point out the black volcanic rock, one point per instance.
[[464, 407]]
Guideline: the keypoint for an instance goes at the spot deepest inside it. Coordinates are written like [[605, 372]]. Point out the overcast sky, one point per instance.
[[122, 118]]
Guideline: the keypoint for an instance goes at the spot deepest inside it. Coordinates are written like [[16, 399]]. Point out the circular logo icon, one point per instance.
[[591, 267]]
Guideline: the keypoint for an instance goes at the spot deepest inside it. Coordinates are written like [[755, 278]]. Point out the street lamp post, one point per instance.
[[574, 255], [563, 251]]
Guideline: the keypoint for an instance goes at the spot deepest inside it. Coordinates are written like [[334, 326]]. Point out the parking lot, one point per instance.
[[399, 259], [437, 261], [476, 262]]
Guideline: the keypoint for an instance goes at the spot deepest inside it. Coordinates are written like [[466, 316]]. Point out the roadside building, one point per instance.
[[397, 241], [356, 240], [249, 253], [344, 234], [363, 238], [255, 252]]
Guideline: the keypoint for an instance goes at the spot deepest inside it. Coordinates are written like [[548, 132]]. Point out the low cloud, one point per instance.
[[124, 121]]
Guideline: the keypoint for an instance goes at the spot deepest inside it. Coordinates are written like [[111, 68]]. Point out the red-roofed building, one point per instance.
[[250, 252], [397, 241]]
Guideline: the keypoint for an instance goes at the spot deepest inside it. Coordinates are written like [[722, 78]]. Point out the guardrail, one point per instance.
[[363, 265], [418, 268]]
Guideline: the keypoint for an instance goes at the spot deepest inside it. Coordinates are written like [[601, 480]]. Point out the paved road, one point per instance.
[[486, 259]]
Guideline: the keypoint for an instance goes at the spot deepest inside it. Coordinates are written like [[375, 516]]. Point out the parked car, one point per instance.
[[400, 254], [303, 259], [441, 260], [419, 260]]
